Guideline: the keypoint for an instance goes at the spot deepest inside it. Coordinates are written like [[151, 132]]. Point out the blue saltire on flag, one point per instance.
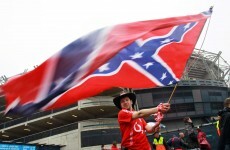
[[142, 54]]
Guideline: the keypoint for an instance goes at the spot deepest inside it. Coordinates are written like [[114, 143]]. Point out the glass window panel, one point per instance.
[[171, 115], [187, 99], [172, 108], [220, 99], [213, 93], [179, 100], [156, 102], [185, 107], [178, 94], [197, 95], [98, 137], [188, 94], [204, 95], [139, 101], [207, 108], [181, 114], [199, 107], [161, 95], [147, 99], [217, 106], [191, 113]]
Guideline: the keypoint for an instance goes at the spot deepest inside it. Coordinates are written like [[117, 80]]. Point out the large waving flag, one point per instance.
[[142, 54]]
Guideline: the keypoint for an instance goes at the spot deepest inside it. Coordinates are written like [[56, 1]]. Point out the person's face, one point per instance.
[[189, 120], [218, 117], [181, 135], [228, 105], [126, 103], [156, 135]]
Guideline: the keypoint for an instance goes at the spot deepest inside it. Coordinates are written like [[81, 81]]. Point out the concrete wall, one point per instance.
[[69, 140], [99, 147]]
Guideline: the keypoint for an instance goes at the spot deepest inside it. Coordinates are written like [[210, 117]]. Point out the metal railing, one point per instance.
[[32, 117], [48, 133]]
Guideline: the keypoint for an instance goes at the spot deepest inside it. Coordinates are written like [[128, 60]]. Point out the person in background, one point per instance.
[[191, 137], [103, 147], [114, 146], [218, 125], [159, 142], [182, 138], [131, 122], [224, 140], [202, 140], [181, 135], [176, 143]]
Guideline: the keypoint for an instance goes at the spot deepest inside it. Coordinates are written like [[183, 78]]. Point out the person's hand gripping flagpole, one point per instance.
[[162, 109]]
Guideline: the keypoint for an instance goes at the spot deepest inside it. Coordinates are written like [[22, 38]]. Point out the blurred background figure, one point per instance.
[[159, 142], [176, 143], [224, 140], [218, 124], [202, 140], [182, 138], [190, 135], [103, 147], [114, 146]]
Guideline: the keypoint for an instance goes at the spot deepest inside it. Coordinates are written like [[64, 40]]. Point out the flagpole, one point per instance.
[[172, 93], [206, 32]]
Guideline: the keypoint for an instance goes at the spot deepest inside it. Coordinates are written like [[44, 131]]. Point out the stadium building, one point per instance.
[[92, 122]]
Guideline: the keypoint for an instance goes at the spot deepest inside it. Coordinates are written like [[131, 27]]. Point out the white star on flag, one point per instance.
[[166, 41], [147, 65], [163, 76], [187, 26], [104, 67], [137, 55], [171, 82]]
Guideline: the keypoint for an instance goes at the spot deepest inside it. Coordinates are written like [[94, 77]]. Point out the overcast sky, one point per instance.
[[33, 30]]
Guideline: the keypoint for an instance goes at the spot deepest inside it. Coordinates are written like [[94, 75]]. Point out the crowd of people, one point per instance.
[[189, 139], [133, 128]]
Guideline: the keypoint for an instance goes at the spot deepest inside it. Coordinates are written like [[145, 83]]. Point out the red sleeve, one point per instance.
[[144, 122], [125, 116], [203, 135]]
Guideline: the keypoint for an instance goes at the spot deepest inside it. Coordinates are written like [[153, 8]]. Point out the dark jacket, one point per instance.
[[225, 129], [190, 135], [189, 128], [176, 143]]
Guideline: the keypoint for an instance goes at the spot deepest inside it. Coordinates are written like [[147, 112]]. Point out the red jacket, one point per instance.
[[203, 142], [113, 147]]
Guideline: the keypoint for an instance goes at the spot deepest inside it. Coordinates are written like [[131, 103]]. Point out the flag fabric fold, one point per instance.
[[142, 54]]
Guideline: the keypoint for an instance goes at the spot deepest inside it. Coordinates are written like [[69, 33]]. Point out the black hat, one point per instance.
[[117, 99]]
